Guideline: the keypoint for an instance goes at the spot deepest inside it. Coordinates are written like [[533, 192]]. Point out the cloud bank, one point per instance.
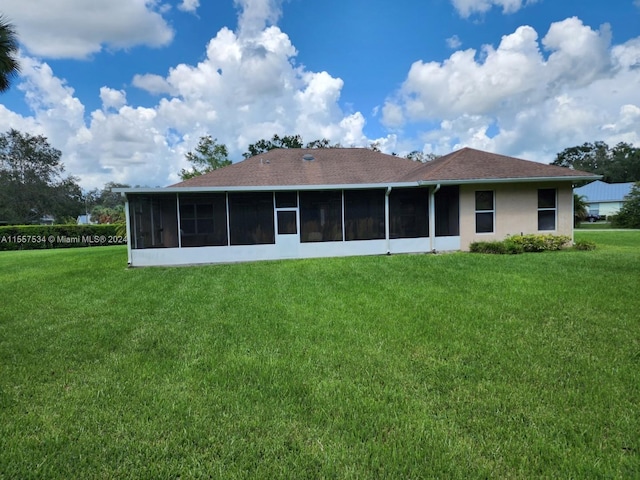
[[527, 96]]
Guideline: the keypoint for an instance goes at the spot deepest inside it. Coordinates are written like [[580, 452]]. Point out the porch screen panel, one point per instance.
[[409, 213], [203, 220], [447, 207], [154, 221], [321, 216], [251, 218], [364, 214]]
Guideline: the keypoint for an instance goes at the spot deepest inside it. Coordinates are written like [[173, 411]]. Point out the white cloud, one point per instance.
[[152, 83], [454, 42], [247, 87], [112, 98], [257, 14], [77, 28], [466, 8], [189, 5], [511, 99], [392, 115]]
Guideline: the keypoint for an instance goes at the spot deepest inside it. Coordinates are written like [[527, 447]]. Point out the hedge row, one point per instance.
[[34, 237], [522, 243]]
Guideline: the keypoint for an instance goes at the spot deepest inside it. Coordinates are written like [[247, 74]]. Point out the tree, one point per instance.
[[288, 141], [618, 164], [262, 146], [625, 163], [375, 146], [208, 156], [323, 143], [580, 209], [32, 183], [105, 205], [629, 214], [420, 156], [9, 66]]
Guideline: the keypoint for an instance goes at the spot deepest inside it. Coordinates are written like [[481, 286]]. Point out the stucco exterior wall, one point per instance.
[[516, 211], [606, 208]]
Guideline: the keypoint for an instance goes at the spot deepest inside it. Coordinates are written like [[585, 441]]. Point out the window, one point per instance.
[[251, 219], [286, 199], [203, 220], [287, 222], [547, 209], [485, 211], [320, 216], [364, 214], [409, 213]]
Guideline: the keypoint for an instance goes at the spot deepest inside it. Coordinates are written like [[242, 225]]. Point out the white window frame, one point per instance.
[[492, 211], [553, 209]]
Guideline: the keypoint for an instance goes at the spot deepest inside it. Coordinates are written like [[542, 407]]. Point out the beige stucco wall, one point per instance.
[[516, 210]]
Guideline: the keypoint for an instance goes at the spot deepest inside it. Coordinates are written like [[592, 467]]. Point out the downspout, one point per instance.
[[178, 220], [573, 216], [386, 220], [432, 217]]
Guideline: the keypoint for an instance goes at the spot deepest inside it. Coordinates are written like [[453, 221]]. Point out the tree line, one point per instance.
[[210, 155], [617, 164]]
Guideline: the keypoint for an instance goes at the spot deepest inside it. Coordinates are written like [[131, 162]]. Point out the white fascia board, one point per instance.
[[426, 183], [266, 188]]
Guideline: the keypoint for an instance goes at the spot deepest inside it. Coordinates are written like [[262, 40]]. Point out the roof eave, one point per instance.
[[265, 188], [577, 178], [348, 186]]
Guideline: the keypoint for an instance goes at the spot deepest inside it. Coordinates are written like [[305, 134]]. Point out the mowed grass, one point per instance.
[[408, 366]]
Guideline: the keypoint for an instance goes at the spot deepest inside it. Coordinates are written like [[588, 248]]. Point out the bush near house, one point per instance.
[[497, 247], [522, 243], [37, 237], [540, 243]]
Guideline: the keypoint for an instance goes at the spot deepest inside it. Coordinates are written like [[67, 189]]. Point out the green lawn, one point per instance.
[[408, 366], [594, 226]]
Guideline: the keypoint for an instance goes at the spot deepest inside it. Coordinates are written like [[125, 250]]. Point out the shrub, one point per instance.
[[488, 247], [35, 237], [513, 247], [584, 245], [522, 243], [540, 242]]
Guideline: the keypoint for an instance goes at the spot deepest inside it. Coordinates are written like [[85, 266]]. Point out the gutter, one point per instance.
[[425, 183], [358, 186], [265, 188]]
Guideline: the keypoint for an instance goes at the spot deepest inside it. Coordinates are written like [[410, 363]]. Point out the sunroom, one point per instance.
[[171, 226]]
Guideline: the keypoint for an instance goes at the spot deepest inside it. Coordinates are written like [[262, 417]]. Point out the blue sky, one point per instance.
[[124, 88]]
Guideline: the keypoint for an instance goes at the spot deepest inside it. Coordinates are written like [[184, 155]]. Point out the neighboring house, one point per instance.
[[301, 203], [604, 199], [85, 220], [47, 220]]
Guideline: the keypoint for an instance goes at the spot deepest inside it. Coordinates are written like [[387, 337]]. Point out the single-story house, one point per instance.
[[604, 199], [302, 203], [85, 219]]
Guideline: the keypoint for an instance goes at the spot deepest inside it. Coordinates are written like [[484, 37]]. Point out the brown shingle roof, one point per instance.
[[471, 164], [330, 166], [352, 166]]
